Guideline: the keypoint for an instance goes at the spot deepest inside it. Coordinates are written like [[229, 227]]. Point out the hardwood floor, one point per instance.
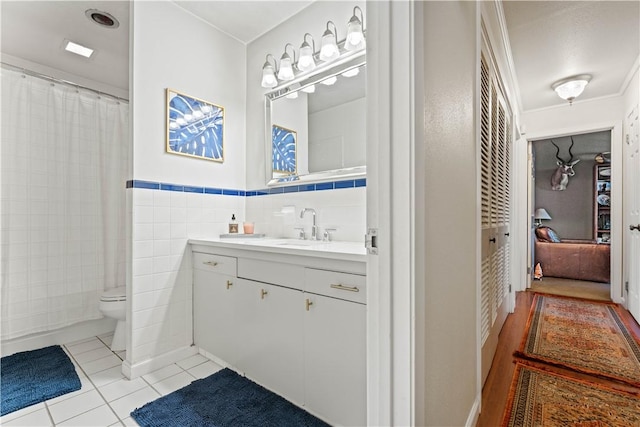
[[496, 388]]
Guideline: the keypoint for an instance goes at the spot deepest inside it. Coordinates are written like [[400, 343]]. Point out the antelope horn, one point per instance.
[[571, 154], [557, 151]]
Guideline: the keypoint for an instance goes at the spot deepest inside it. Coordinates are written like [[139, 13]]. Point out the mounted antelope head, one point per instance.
[[560, 177]]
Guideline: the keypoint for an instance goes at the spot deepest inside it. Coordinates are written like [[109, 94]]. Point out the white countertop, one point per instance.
[[347, 251]]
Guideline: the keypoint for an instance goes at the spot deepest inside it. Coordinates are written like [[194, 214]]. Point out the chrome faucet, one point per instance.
[[314, 227]]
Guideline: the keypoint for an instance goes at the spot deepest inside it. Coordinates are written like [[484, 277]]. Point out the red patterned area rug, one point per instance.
[[585, 336], [539, 397]]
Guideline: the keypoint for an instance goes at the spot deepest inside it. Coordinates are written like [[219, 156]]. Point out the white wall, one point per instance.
[[342, 209], [336, 137], [450, 207], [174, 49], [631, 96], [566, 118]]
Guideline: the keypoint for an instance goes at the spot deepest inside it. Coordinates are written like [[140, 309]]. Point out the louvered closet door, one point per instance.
[[495, 140]]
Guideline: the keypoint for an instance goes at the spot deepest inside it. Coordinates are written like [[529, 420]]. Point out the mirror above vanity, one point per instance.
[[315, 122]]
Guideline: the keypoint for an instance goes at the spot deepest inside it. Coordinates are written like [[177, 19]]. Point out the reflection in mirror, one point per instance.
[[317, 125], [284, 150]]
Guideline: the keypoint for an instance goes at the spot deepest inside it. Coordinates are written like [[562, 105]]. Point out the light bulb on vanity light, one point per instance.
[[309, 89], [268, 73], [329, 47], [286, 65], [329, 81], [355, 34], [351, 73], [306, 61]]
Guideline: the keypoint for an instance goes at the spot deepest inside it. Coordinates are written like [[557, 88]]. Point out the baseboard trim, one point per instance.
[[147, 366], [66, 335], [474, 414]]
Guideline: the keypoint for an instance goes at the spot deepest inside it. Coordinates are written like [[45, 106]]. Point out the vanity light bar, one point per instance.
[[330, 52], [322, 72]]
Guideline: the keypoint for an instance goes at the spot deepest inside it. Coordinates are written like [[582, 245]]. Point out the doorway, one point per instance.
[[571, 201]]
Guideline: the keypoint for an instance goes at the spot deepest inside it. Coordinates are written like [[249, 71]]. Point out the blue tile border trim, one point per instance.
[[163, 186]]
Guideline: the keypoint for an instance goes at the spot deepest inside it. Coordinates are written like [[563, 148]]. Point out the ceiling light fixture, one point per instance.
[[101, 18], [571, 87], [78, 49], [355, 33]]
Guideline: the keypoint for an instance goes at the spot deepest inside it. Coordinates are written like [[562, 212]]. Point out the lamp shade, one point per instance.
[[268, 76], [541, 213], [268, 73], [286, 69], [329, 47], [355, 36]]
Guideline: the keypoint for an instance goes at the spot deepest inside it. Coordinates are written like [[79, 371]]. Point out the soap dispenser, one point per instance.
[[233, 225]]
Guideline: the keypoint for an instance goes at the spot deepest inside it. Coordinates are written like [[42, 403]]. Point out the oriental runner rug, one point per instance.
[[539, 397], [585, 336]]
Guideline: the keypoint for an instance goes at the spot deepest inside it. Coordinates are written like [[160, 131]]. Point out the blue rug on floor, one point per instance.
[[224, 399], [32, 377]]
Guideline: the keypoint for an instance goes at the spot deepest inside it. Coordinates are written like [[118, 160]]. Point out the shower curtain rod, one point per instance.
[[56, 80]]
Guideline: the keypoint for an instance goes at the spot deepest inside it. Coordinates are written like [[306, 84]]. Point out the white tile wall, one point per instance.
[[163, 221], [343, 209]]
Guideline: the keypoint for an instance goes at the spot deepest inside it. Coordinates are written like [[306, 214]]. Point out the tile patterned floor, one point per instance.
[[107, 397]]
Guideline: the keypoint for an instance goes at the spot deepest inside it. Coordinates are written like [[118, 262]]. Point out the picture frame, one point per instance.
[[194, 127], [284, 146]]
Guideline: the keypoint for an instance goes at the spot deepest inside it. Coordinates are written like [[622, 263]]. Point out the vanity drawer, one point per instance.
[[215, 263], [289, 275], [351, 287]]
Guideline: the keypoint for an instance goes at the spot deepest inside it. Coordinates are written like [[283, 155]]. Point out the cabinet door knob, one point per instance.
[[308, 303], [263, 293], [229, 284], [634, 227], [492, 240], [210, 263]]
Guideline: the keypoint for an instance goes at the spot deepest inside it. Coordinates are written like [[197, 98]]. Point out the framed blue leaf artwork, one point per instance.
[[283, 141], [194, 127]]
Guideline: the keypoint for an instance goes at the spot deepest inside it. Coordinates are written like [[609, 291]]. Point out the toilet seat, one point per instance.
[[114, 295]]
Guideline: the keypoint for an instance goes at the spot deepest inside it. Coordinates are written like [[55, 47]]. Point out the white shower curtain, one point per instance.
[[65, 158]]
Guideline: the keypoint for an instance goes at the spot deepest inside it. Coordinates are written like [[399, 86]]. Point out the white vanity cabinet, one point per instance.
[[335, 350], [290, 323], [269, 345], [214, 305]]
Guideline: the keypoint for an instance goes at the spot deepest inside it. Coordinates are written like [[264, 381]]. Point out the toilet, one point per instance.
[[113, 303]]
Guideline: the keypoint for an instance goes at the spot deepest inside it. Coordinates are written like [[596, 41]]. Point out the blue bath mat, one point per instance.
[[32, 377], [221, 400]]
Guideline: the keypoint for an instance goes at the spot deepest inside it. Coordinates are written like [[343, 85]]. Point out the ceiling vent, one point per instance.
[[101, 18]]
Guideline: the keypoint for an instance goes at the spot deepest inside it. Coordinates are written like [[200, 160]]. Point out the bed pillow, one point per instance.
[[547, 234]]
